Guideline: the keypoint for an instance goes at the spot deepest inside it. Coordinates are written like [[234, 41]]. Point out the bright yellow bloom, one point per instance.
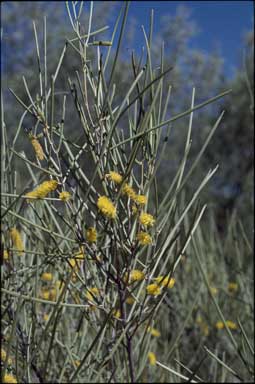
[[130, 300], [17, 240], [91, 293], [165, 281], [3, 357], [136, 275], [80, 255], [106, 207], [5, 255], [144, 238], [65, 196], [153, 289], [43, 189], [146, 219], [91, 235], [140, 199], [129, 191], [153, 331], [152, 358], [47, 276], [45, 294], [219, 325], [8, 378], [114, 176], [37, 147], [213, 290], [116, 313], [231, 324], [232, 287]]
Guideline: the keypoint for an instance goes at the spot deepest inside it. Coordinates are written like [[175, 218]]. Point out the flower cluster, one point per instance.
[[65, 196], [91, 235], [115, 177], [144, 238], [37, 148], [43, 189], [106, 207], [17, 241], [135, 275], [230, 324]]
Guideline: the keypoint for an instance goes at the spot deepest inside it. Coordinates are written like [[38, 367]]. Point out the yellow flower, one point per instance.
[[47, 276], [77, 362], [116, 313], [135, 275], [43, 189], [91, 235], [17, 240], [231, 324], [165, 281], [53, 294], [114, 176], [213, 290], [140, 199], [232, 287], [153, 289], [144, 238], [106, 207], [91, 293], [5, 255], [130, 300], [153, 331], [37, 147], [219, 325], [127, 190], [146, 219], [3, 357], [80, 255], [45, 294], [152, 358], [8, 378], [46, 317], [134, 209], [64, 196]]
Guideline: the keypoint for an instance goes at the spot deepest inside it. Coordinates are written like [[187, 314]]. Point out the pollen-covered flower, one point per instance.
[[106, 207], [91, 235], [165, 281], [65, 196], [129, 191], [231, 324], [114, 176], [152, 358], [141, 199], [144, 238], [43, 189], [37, 148], [91, 293], [153, 289], [153, 331], [8, 378], [146, 219], [136, 275], [17, 241], [47, 276], [232, 287]]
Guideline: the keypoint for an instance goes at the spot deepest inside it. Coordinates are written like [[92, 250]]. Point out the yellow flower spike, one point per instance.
[[165, 281], [115, 177], [136, 275], [152, 358], [117, 314], [77, 362], [153, 331], [219, 325], [153, 290], [17, 241], [91, 235], [46, 317], [144, 238], [45, 294], [6, 255], [141, 199], [134, 209], [65, 196], [129, 191], [8, 378], [47, 276], [37, 148], [3, 357], [91, 293], [53, 294], [106, 207], [43, 189], [231, 325], [232, 287], [146, 219]]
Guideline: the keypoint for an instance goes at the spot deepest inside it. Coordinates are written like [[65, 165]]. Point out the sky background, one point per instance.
[[221, 24]]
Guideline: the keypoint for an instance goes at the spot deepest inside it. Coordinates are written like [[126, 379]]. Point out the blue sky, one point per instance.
[[221, 24]]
